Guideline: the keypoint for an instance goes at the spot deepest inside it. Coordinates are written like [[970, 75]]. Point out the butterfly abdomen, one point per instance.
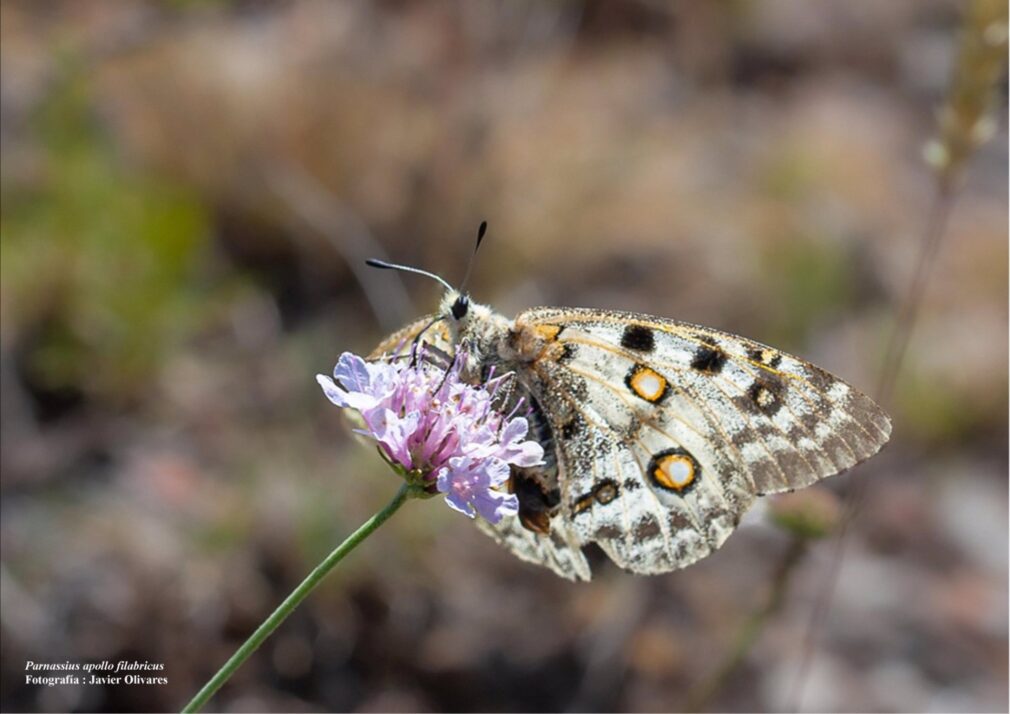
[[537, 487]]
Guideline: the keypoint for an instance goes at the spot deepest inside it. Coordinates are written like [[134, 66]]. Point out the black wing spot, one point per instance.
[[709, 360], [572, 428], [603, 493], [606, 491], [767, 357], [647, 528], [568, 352], [638, 337], [766, 395], [607, 532]]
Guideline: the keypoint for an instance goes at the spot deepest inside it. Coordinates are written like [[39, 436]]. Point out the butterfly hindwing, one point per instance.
[[558, 550], [399, 343]]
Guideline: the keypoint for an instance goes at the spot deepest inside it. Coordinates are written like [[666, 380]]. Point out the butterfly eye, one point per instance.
[[460, 307]]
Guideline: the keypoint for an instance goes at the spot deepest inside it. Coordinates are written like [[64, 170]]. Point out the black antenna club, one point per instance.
[[469, 266]]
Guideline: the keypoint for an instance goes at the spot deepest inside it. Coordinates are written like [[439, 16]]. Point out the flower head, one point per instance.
[[438, 428]]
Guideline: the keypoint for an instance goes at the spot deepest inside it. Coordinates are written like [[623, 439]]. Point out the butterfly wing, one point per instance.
[[667, 431], [399, 343], [559, 550]]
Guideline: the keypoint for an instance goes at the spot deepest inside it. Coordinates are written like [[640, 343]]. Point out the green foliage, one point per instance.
[[813, 281], [97, 259]]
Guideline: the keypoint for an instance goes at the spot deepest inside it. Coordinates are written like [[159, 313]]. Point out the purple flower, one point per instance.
[[469, 484], [436, 427]]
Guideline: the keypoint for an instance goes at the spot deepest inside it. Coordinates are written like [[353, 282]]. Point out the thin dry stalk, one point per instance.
[[701, 697], [965, 122]]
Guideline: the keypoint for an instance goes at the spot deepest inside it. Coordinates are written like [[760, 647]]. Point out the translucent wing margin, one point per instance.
[[559, 550]]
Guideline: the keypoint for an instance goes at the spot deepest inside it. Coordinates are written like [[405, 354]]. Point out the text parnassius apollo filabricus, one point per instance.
[[658, 435]]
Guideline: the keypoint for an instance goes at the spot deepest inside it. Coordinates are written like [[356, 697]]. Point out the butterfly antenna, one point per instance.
[[393, 266], [469, 266]]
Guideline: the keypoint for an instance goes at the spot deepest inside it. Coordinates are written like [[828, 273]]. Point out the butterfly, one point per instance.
[[658, 434]]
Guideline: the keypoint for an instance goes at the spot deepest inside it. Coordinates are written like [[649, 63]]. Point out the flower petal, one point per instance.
[[528, 453], [352, 372], [456, 503], [495, 505], [515, 430], [393, 432], [366, 383], [516, 451], [334, 393], [497, 471]]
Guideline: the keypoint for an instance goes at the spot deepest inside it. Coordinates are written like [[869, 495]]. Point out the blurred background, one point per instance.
[[189, 190]]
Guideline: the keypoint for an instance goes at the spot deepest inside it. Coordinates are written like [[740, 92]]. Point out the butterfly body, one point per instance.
[[658, 435]]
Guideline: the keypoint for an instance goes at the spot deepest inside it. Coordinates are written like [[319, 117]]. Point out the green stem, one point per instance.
[[295, 598]]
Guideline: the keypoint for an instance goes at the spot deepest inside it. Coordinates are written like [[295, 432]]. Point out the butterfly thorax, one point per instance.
[[491, 345]]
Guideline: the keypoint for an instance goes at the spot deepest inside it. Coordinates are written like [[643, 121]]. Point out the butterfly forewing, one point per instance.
[[680, 426], [773, 406], [606, 446]]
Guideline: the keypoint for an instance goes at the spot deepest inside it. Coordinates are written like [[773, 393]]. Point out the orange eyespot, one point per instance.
[[674, 471], [647, 383]]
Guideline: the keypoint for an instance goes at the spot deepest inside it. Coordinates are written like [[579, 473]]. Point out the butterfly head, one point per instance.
[[460, 312], [460, 305]]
